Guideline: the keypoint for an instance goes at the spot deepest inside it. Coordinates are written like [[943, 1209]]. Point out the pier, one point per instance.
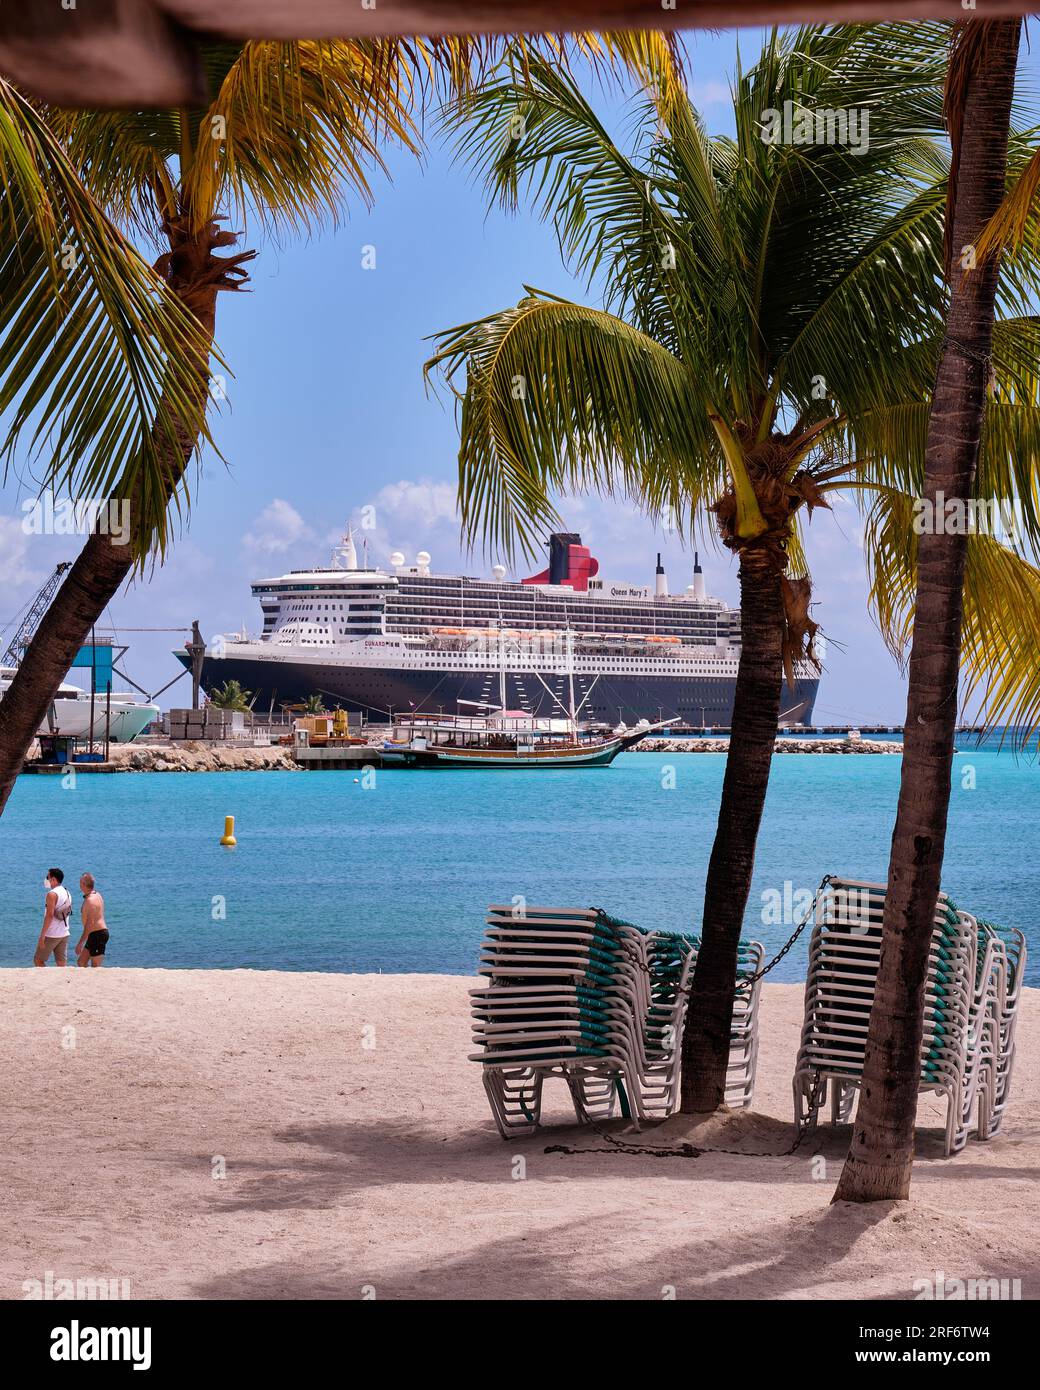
[[60, 769], [349, 759]]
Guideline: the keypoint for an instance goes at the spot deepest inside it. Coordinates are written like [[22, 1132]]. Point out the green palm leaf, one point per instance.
[[90, 342], [559, 396], [1000, 654]]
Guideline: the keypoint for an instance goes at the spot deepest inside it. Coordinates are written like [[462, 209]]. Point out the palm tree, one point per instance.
[[314, 704], [772, 320], [91, 342], [231, 696], [980, 88], [290, 133]]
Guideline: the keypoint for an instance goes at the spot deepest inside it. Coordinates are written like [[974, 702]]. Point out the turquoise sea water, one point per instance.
[[329, 875]]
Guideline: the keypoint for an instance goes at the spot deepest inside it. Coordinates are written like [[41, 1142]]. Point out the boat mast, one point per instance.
[[570, 682], [501, 667]]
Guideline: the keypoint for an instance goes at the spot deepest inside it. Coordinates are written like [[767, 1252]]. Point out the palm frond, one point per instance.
[[1000, 651], [294, 130], [562, 397], [90, 342], [303, 127], [891, 439]]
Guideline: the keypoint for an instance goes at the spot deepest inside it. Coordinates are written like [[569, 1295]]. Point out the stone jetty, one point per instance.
[[200, 757], [782, 745]]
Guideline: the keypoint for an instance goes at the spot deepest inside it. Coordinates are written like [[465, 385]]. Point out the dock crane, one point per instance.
[[39, 605]]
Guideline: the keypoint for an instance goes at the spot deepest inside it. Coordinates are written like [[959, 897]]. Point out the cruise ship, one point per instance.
[[385, 642]]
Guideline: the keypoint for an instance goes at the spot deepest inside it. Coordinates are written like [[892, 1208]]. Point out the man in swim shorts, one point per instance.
[[90, 949]]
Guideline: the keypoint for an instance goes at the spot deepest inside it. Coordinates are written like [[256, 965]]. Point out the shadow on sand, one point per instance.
[[334, 1166], [777, 1259]]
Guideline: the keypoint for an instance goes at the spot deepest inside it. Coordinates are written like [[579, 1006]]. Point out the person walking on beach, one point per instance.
[[90, 949], [54, 935]]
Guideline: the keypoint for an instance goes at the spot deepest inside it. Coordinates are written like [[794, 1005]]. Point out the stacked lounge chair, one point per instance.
[[1004, 1007], [971, 996], [596, 1001]]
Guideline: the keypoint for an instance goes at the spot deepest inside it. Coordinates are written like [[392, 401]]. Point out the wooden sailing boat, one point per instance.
[[504, 738]]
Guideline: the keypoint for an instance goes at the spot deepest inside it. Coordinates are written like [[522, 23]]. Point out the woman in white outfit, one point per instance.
[[58, 909]]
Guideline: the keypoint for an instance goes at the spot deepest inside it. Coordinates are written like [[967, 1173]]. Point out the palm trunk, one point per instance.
[[102, 567], [756, 718], [96, 576], [881, 1157]]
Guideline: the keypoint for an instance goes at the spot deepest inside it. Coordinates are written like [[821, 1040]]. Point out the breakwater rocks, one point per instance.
[[200, 757], [782, 745], [228, 757]]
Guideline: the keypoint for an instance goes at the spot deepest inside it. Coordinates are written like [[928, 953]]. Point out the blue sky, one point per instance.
[[327, 413]]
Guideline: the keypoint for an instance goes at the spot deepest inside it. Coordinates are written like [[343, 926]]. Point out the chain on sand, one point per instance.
[[695, 1150]]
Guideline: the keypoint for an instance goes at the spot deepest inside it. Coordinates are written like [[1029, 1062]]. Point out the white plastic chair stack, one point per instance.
[[743, 1053], [664, 949], [601, 1004], [562, 997], [1008, 976], [970, 1000]]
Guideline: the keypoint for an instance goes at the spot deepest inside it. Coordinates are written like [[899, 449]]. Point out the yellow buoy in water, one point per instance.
[[228, 837]]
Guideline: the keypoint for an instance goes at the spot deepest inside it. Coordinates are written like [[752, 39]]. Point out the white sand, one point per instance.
[[350, 1166]]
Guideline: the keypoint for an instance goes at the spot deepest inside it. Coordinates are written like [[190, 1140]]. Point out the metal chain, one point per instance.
[[803, 1126], [984, 359], [750, 980]]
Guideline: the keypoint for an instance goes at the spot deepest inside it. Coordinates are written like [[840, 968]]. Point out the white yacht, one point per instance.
[[69, 713]]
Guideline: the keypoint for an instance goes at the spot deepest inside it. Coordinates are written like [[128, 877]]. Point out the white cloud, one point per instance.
[[14, 552], [710, 92], [406, 502], [410, 515], [277, 529]]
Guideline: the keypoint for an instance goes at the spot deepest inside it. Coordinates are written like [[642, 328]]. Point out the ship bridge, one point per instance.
[[324, 607]]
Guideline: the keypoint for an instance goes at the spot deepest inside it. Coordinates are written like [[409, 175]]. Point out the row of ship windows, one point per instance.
[[314, 637], [698, 629], [306, 637], [418, 623], [704, 634], [333, 607], [514, 612], [558, 612], [647, 667], [487, 590], [492, 601], [543, 606]]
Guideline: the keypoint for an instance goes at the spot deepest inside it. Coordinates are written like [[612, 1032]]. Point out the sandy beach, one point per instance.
[[359, 1159]]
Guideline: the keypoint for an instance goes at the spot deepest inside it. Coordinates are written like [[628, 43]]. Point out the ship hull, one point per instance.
[[378, 693], [123, 722], [602, 755]]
